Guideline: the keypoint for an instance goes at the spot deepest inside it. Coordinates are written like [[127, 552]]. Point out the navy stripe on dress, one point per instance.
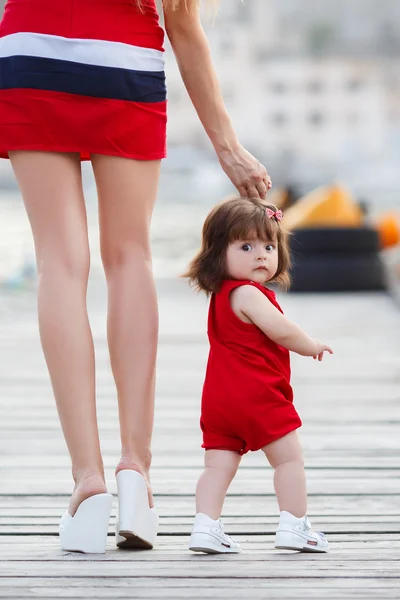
[[85, 80]]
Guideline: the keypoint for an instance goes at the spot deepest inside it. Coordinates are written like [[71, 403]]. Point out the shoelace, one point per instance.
[[307, 528], [221, 525]]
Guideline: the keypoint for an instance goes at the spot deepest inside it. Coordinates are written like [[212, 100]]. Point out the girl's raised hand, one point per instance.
[[321, 348], [248, 175]]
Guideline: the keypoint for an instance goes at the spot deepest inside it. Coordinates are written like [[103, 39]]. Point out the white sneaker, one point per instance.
[[209, 536], [296, 534]]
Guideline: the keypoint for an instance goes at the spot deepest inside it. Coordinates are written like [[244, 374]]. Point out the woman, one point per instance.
[[84, 79]]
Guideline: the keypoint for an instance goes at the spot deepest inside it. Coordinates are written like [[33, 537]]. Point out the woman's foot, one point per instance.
[[86, 485], [131, 464]]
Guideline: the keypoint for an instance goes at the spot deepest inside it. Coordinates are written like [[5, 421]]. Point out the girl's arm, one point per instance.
[[250, 303], [192, 52]]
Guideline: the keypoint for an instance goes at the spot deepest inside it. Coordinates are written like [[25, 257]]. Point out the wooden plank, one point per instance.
[[198, 588], [351, 544], [315, 566], [314, 461], [174, 483], [237, 529]]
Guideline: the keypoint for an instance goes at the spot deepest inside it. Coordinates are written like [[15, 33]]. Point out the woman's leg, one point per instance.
[[127, 192], [286, 457], [220, 469], [51, 187]]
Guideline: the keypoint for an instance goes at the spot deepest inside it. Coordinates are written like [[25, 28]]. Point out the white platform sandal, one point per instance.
[[137, 523], [87, 530]]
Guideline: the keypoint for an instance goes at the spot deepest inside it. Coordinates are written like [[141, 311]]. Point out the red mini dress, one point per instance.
[[247, 399], [83, 76]]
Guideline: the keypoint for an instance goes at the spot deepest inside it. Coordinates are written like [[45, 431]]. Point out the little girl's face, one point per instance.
[[254, 259]]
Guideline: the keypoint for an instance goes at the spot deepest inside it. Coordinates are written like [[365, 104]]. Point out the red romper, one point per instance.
[[247, 399]]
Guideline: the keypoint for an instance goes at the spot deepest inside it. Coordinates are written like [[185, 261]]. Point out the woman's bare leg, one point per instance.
[[220, 469], [286, 457], [51, 187], [127, 192]]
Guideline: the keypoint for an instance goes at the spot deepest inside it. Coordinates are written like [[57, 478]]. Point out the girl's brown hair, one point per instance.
[[236, 219]]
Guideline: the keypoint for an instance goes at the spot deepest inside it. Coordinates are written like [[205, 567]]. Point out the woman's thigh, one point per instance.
[[127, 191], [51, 187]]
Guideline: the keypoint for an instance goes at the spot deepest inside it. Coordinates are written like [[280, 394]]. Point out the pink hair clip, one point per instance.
[[277, 214]]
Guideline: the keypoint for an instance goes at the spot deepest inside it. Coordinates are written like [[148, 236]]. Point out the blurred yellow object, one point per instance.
[[277, 196], [326, 206], [388, 227]]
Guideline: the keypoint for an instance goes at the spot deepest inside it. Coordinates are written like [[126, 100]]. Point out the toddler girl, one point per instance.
[[247, 401]]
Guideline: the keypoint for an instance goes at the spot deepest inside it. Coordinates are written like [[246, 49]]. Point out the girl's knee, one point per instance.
[[225, 461], [285, 450]]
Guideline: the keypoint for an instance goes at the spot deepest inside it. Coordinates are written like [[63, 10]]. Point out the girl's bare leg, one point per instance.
[[286, 457], [51, 187], [127, 192], [220, 469]]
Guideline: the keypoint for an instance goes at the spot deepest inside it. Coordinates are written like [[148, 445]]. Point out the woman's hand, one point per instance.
[[248, 175]]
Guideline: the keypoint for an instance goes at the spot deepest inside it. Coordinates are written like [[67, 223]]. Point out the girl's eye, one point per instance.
[[269, 248], [246, 247]]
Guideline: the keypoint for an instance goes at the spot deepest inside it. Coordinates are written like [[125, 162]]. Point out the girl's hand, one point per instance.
[[320, 349], [248, 175]]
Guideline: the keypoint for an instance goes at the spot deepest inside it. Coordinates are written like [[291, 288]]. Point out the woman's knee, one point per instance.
[[125, 254], [61, 262]]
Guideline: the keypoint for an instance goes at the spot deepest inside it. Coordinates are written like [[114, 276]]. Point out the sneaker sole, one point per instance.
[[206, 550], [212, 550], [302, 549], [201, 543]]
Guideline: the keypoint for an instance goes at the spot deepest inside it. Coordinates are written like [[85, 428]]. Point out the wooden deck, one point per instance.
[[350, 405]]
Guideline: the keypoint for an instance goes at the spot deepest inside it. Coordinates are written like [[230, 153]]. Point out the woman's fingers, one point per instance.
[[268, 182], [247, 174], [242, 191], [261, 189], [252, 191]]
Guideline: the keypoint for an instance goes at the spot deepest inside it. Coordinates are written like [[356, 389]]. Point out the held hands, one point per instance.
[[248, 175], [320, 348]]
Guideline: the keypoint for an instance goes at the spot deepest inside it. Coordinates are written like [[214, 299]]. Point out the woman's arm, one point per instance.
[[192, 52]]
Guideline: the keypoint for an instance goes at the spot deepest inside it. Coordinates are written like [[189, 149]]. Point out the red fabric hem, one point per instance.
[[50, 121], [84, 156], [274, 438], [247, 449]]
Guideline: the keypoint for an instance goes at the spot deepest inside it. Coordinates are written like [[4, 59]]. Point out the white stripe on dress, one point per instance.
[[85, 51]]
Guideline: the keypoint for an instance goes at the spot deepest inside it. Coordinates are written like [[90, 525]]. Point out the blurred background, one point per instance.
[[313, 89]]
